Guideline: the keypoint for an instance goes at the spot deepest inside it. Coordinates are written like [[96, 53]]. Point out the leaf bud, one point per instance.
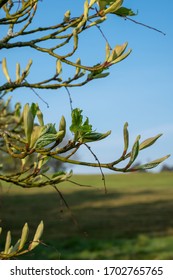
[[5, 70]]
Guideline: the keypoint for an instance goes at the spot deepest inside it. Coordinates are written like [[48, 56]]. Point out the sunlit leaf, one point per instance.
[[37, 236], [149, 165], [24, 236], [148, 142], [126, 138]]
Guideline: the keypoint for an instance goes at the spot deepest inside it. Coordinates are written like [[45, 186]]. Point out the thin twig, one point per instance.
[[145, 25], [103, 35], [79, 184], [70, 99], [67, 206], [38, 95], [96, 158]]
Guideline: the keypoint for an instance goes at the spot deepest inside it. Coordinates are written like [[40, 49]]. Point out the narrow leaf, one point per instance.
[[5, 70], [27, 69], [101, 75], [17, 72], [98, 21], [149, 165], [92, 2], [86, 9], [78, 61], [134, 152], [58, 67], [40, 117], [119, 49], [126, 138], [15, 247], [24, 236], [114, 7], [121, 57], [10, 250], [148, 142], [94, 136], [8, 242], [62, 124], [37, 236], [28, 120]]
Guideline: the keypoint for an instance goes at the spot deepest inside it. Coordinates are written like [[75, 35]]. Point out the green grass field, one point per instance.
[[134, 220]]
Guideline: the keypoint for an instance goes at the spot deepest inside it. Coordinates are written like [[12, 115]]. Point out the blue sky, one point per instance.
[[138, 90]]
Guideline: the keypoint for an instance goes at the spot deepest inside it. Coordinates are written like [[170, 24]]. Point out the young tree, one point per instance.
[[23, 132]]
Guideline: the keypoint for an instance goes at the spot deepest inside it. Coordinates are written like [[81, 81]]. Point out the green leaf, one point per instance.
[[101, 75], [62, 124], [45, 135], [43, 161], [104, 3], [86, 127], [15, 247], [93, 136], [78, 127], [78, 69], [48, 138], [37, 236], [149, 165], [40, 117], [124, 12], [118, 54], [114, 7], [76, 120], [34, 108], [148, 142], [59, 173], [61, 177], [17, 109], [126, 138], [48, 128], [83, 131], [86, 10], [134, 152], [121, 57], [98, 21], [35, 135], [28, 120], [24, 236], [135, 149], [8, 242]]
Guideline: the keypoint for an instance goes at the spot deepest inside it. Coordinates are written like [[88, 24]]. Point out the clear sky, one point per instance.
[[139, 90]]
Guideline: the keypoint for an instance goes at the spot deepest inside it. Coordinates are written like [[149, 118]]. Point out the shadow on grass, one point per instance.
[[117, 225]]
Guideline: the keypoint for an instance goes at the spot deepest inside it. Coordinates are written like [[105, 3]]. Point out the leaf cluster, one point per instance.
[[22, 246], [66, 33], [25, 136]]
